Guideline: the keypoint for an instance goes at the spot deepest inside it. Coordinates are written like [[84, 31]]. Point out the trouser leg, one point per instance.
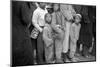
[[72, 49], [23, 54], [49, 54], [58, 49], [66, 38], [40, 49], [85, 50], [34, 44]]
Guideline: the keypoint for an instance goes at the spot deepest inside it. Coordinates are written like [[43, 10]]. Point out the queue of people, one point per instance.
[[54, 36]]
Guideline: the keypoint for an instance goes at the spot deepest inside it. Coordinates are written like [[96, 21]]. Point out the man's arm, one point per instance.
[[26, 13], [53, 23]]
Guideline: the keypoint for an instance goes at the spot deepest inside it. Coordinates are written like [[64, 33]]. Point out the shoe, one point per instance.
[[59, 61], [65, 58], [88, 56], [74, 59], [78, 54], [50, 62]]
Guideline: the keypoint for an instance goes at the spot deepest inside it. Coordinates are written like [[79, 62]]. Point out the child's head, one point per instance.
[[48, 18], [56, 7], [77, 18]]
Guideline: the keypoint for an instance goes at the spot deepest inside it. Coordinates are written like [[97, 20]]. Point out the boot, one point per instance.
[[65, 57]]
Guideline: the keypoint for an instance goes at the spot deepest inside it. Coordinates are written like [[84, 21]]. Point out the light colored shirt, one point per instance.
[[38, 18], [74, 32], [68, 11]]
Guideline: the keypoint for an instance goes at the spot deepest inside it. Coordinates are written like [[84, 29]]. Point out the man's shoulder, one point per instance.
[[39, 10], [36, 10]]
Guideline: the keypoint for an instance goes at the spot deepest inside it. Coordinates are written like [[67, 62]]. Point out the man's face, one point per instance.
[[42, 5], [56, 7]]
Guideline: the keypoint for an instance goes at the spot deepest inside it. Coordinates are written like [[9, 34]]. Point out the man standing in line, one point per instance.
[[39, 22], [68, 12]]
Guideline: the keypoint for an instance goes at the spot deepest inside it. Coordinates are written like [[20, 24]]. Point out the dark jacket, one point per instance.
[[21, 43]]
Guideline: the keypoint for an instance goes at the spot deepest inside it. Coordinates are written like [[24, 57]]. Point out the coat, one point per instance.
[[21, 43], [47, 35]]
